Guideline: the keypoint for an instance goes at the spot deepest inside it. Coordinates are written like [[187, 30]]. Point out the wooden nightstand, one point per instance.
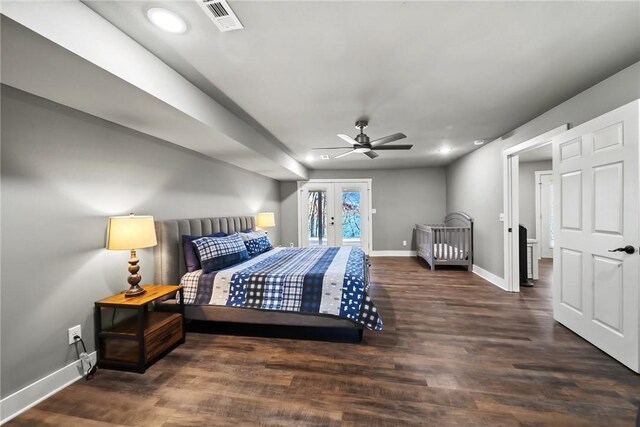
[[136, 342]]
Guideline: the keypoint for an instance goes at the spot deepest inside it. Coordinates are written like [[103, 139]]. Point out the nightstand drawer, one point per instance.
[[161, 339]]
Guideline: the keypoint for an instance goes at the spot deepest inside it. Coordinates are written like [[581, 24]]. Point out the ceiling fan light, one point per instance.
[[445, 150], [362, 149]]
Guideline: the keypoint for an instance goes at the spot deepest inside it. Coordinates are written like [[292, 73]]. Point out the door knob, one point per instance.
[[628, 249]]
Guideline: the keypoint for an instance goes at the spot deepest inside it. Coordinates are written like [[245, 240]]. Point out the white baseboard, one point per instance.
[[490, 277], [393, 253], [18, 402]]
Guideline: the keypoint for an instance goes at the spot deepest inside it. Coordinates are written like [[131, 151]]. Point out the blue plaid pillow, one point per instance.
[[216, 253], [256, 242], [191, 254]]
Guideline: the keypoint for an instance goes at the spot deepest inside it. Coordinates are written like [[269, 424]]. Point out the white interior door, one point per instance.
[[595, 291], [546, 238], [335, 213]]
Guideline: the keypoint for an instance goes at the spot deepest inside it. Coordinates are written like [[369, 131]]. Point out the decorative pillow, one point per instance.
[[216, 253], [256, 242], [190, 256]]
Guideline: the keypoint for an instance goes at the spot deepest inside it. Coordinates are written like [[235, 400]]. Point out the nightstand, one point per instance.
[[143, 337]]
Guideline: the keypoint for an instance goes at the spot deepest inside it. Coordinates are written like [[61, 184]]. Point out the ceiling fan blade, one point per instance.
[[387, 139], [395, 147], [344, 154], [348, 139], [371, 154], [330, 148]]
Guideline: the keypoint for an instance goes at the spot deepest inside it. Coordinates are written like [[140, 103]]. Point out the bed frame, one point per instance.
[[456, 232], [170, 267]]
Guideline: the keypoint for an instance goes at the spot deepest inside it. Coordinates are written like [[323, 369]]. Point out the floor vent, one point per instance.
[[221, 15]]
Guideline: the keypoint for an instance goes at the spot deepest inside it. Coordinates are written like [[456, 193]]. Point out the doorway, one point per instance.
[[512, 214], [335, 213]]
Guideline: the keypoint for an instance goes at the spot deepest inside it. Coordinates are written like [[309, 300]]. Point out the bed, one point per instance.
[[450, 243], [325, 287]]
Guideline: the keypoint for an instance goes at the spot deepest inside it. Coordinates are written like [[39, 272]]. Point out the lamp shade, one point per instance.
[[131, 232], [266, 219]]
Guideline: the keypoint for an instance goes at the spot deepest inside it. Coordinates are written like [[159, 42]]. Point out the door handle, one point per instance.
[[627, 249]]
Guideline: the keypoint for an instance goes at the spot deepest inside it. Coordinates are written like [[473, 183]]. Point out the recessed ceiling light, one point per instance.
[[324, 157], [478, 142], [445, 150], [166, 20]]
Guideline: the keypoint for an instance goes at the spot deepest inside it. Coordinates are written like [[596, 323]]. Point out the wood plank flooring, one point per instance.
[[455, 351]]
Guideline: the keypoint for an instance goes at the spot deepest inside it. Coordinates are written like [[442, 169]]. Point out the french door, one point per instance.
[[334, 213], [596, 262]]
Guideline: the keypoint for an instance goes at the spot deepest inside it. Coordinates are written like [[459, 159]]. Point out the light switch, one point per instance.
[[501, 217]]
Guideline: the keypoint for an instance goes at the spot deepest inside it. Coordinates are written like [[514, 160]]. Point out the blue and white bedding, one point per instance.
[[322, 280]]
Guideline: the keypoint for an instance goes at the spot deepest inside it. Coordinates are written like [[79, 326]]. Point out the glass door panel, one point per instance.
[[351, 219], [317, 218]]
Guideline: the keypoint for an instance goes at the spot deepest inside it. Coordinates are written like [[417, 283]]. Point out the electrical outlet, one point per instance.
[[290, 244], [404, 243], [76, 330]]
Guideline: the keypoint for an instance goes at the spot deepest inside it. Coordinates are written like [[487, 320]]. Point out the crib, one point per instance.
[[450, 243]]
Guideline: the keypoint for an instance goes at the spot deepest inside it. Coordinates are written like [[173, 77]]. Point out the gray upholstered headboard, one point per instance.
[[168, 254]]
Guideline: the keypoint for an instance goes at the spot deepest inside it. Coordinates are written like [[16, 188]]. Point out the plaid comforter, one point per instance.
[[324, 280]]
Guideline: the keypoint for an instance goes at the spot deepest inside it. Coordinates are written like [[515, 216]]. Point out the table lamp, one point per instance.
[[130, 233], [266, 219]]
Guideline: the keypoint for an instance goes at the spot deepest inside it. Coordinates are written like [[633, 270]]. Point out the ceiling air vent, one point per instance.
[[221, 14]]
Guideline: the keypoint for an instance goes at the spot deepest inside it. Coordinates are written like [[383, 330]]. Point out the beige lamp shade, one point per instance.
[[131, 232], [266, 219]]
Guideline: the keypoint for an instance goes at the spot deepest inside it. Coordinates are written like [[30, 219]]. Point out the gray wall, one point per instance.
[[474, 182], [63, 173], [527, 205], [401, 198]]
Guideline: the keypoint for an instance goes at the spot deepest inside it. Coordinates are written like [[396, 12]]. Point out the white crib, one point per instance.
[[450, 243]]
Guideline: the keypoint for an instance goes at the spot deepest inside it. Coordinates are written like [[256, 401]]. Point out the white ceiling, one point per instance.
[[444, 73]]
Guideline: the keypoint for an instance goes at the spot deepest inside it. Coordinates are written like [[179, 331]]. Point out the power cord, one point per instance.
[[84, 357]]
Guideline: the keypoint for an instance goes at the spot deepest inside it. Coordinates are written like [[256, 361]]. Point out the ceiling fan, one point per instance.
[[362, 144]]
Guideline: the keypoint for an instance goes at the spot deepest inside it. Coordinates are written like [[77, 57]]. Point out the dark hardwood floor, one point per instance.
[[455, 350]]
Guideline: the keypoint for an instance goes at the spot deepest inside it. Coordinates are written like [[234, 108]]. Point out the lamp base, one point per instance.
[[134, 278], [134, 291]]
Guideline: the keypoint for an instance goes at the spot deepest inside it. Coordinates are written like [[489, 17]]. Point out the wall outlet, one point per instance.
[[404, 243], [290, 244], [373, 210], [76, 330]]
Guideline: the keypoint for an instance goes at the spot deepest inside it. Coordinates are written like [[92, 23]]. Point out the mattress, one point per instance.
[[443, 251]]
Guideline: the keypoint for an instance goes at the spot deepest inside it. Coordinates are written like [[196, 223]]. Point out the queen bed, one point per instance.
[[321, 287]]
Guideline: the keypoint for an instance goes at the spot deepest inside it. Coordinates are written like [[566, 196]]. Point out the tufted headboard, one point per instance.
[[169, 264]]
